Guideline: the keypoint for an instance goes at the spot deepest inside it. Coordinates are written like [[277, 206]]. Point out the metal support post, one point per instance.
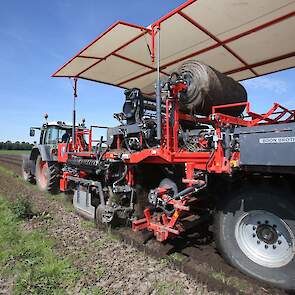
[[158, 89], [74, 113]]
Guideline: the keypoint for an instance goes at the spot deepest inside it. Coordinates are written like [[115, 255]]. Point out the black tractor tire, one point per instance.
[[252, 226], [27, 175], [47, 176]]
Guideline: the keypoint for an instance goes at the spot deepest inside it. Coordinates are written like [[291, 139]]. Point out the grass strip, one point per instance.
[[29, 258], [14, 152]]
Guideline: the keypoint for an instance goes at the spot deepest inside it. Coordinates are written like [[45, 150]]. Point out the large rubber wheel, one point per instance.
[[47, 176], [255, 232], [26, 174]]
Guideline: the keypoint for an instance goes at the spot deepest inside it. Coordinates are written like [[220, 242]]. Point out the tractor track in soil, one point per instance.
[[196, 257], [13, 161]]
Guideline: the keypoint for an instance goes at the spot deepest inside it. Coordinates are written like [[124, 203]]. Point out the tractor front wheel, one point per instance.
[[47, 176], [26, 172]]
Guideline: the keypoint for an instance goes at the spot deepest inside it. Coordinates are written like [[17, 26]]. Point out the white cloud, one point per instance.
[[265, 83]]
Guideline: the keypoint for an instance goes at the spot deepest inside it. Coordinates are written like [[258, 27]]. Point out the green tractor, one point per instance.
[[41, 165]]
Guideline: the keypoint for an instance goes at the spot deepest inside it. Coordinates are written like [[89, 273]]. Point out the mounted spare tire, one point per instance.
[[47, 176], [255, 232]]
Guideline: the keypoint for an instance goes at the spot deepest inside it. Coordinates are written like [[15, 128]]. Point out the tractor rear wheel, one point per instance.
[[255, 232], [47, 176]]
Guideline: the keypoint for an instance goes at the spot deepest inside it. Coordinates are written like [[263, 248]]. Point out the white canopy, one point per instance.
[[243, 39]]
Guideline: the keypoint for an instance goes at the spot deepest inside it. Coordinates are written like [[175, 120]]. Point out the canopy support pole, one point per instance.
[[74, 113], [158, 89]]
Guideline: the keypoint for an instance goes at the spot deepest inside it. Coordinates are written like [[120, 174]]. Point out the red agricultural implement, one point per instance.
[[192, 153]]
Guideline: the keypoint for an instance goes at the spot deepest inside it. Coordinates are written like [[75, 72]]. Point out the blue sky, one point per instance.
[[37, 37]]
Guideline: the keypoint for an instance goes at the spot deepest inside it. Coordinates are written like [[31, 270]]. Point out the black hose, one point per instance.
[[186, 191], [122, 177], [98, 149], [102, 154], [191, 189]]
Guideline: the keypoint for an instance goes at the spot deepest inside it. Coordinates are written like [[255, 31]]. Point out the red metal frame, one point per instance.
[[162, 225], [112, 53], [262, 63], [90, 57], [137, 62], [171, 13], [271, 117], [136, 77], [204, 30], [153, 32], [234, 38], [219, 43], [99, 37]]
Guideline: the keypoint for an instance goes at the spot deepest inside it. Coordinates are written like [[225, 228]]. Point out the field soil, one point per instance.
[[121, 262]]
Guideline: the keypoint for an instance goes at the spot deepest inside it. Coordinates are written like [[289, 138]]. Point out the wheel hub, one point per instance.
[[265, 239], [267, 234], [43, 177]]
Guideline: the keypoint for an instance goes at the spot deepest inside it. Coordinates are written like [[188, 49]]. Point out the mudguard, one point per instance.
[[45, 151]]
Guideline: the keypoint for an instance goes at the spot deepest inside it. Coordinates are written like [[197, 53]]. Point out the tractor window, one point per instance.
[[51, 136], [61, 133]]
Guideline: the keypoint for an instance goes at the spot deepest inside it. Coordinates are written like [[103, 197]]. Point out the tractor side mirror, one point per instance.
[[32, 132]]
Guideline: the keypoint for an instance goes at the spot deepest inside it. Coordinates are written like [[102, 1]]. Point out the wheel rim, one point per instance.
[[43, 174], [265, 239]]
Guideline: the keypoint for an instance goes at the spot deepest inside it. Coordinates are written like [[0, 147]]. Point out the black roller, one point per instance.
[[207, 88], [83, 163]]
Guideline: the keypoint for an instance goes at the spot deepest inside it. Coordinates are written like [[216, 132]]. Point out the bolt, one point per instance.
[[274, 246], [258, 242], [258, 222], [266, 221], [253, 235], [254, 227], [279, 242], [266, 247], [274, 226]]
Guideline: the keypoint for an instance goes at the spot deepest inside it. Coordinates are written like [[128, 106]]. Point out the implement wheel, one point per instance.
[[102, 223], [255, 232], [47, 176]]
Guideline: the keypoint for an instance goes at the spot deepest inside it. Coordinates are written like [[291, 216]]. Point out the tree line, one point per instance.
[[8, 145]]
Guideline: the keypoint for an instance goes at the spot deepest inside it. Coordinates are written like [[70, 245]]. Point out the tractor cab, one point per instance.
[[51, 133], [41, 166]]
